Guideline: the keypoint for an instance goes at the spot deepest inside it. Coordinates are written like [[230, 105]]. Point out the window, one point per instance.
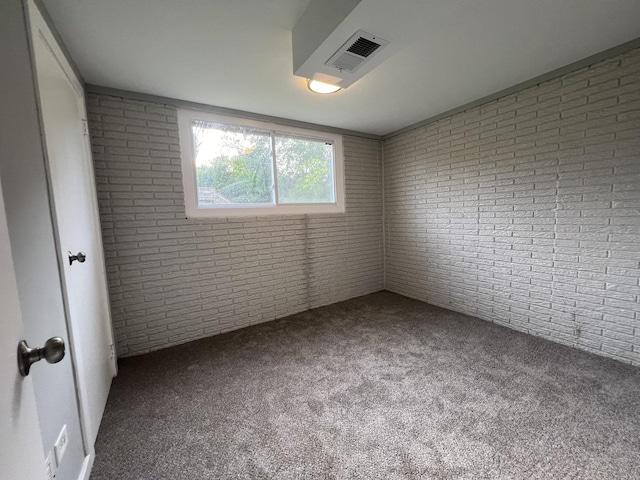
[[235, 167]]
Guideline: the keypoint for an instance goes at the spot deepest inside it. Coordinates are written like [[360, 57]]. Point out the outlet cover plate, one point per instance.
[[61, 445]]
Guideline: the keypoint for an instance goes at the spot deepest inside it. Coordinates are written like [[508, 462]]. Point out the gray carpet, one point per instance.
[[378, 387]]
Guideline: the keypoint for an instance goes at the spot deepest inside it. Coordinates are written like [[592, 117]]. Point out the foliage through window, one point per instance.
[[239, 167]]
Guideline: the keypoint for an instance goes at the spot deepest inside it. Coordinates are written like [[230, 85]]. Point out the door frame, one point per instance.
[[38, 24]]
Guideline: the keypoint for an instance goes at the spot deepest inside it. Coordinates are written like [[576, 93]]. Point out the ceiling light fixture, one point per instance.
[[320, 87]]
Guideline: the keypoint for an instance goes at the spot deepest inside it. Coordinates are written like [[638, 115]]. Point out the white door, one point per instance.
[[21, 455], [77, 225]]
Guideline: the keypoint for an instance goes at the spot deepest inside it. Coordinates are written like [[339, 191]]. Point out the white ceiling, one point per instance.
[[237, 53]]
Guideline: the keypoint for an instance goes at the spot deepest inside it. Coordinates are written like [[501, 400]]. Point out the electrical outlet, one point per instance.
[[50, 466], [61, 445]]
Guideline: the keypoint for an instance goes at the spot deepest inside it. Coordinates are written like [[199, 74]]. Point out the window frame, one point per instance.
[[189, 178]]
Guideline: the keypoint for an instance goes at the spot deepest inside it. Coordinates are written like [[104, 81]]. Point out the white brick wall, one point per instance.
[[526, 211], [173, 280]]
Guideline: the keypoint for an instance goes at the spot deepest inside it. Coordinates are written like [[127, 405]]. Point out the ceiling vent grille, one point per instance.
[[356, 51], [363, 47]]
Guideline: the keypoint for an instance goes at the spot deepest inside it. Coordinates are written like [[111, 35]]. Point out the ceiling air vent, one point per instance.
[[356, 51], [325, 48], [363, 47]]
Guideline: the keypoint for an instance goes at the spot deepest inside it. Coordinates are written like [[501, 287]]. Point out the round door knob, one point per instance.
[[80, 257], [52, 352]]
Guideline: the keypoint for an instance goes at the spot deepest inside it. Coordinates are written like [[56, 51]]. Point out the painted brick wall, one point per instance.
[[173, 280], [526, 211]]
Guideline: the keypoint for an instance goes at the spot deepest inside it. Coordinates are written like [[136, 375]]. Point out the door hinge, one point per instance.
[[112, 351], [85, 127]]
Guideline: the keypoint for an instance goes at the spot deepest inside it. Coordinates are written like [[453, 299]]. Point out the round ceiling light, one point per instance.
[[321, 87]]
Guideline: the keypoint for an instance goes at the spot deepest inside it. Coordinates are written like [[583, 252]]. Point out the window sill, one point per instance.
[[256, 211]]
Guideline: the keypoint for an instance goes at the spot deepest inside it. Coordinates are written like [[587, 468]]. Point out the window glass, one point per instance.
[[239, 167], [233, 164], [305, 170]]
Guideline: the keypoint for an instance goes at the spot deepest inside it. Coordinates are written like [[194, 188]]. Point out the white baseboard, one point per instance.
[[87, 465]]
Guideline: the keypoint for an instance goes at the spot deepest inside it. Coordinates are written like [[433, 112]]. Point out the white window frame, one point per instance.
[[189, 179]]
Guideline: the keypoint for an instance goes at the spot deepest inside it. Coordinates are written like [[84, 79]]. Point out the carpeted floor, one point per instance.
[[378, 387]]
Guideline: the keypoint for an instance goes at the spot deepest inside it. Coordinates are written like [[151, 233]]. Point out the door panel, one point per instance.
[[27, 206], [77, 226], [21, 453]]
